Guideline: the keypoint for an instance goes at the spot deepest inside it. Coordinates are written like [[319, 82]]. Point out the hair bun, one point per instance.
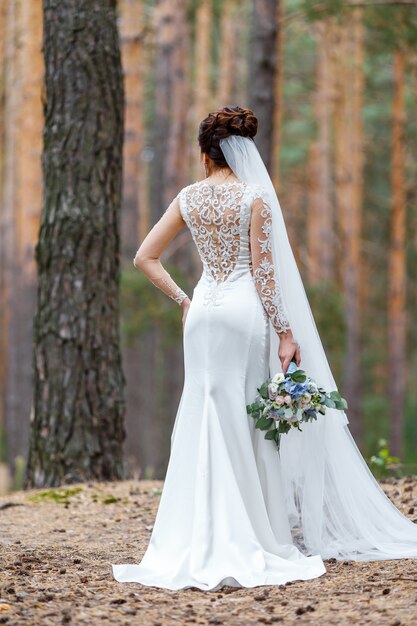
[[221, 124], [240, 121]]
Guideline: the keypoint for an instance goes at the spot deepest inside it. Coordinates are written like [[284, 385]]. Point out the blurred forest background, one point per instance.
[[334, 85]]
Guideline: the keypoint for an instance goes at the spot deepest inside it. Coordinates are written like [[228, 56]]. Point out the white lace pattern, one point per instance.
[[263, 267], [218, 216], [213, 217], [170, 288]]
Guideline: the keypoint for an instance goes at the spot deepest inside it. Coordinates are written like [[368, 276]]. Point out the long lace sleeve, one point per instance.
[[147, 257], [263, 267]]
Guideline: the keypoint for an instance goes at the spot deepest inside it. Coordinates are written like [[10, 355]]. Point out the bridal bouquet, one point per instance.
[[285, 401]]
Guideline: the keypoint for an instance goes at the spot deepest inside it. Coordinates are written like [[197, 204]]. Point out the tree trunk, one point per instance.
[[143, 202], [320, 222], [262, 72], [132, 32], [29, 136], [27, 201], [18, 293], [279, 99], [397, 263], [349, 166], [323, 109], [202, 93], [227, 58], [202, 96], [169, 372], [314, 241], [77, 423], [243, 29], [352, 220], [170, 162], [177, 159], [3, 300]]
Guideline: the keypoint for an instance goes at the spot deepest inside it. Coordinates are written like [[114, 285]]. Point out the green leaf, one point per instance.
[[270, 434], [299, 376], [264, 423], [335, 395], [263, 390], [340, 403], [284, 427], [329, 402]]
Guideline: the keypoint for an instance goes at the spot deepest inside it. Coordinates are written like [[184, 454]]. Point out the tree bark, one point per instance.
[[227, 58], [170, 103], [323, 109], [202, 92], [352, 227], [77, 425], [279, 99], [177, 159], [132, 33], [397, 263], [349, 173], [314, 241], [18, 293], [262, 72], [143, 195], [29, 137], [3, 299]]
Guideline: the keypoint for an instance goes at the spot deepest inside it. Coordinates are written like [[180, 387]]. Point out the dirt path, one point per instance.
[[55, 561]]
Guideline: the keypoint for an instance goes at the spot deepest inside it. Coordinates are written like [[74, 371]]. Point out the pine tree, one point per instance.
[[77, 425]]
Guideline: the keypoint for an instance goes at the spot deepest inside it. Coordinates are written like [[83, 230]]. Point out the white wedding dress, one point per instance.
[[222, 517], [232, 510]]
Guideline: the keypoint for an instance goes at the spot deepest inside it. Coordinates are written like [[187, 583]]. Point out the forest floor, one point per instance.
[[57, 546]]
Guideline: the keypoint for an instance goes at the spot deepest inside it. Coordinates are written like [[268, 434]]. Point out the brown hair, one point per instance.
[[223, 123]]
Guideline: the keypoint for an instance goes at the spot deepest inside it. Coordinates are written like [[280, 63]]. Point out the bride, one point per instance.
[[233, 511]]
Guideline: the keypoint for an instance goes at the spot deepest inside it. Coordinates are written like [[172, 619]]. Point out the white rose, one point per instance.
[[272, 390]]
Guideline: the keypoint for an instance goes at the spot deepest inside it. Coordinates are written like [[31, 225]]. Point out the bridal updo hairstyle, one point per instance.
[[221, 124]]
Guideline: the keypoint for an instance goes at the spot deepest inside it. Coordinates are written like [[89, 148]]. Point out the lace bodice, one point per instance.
[[231, 227], [213, 215]]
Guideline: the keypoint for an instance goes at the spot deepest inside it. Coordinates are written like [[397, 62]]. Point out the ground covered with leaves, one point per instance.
[[57, 546]]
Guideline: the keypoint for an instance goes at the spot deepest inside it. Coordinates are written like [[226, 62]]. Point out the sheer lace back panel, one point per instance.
[[214, 216], [231, 227]]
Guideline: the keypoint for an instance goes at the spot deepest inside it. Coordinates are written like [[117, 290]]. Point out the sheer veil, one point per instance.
[[336, 507]]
